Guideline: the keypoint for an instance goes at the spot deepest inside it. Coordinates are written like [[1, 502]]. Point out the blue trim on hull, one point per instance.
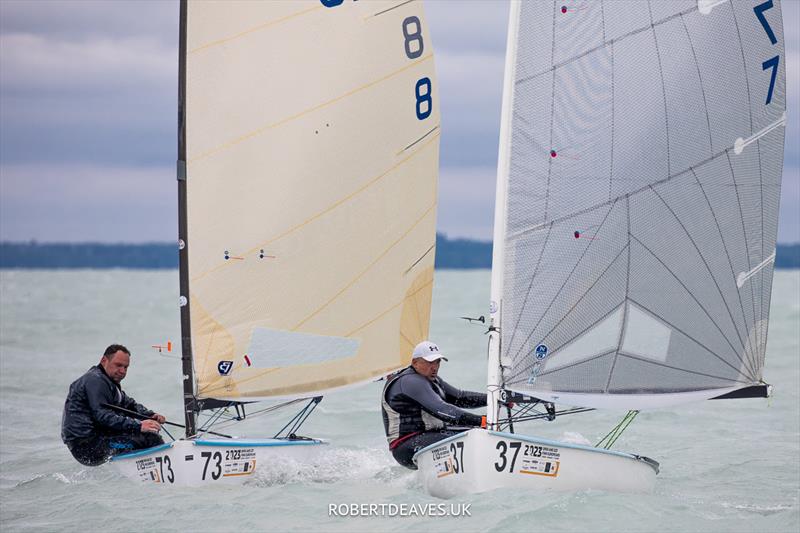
[[257, 443], [145, 451], [222, 443]]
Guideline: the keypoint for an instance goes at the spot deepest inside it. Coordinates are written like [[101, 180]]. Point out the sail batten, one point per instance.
[[640, 200]]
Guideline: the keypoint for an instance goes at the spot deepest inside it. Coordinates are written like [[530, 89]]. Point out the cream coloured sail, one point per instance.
[[312, 139]]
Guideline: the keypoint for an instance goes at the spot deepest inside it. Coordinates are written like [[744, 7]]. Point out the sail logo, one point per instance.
[[224, 367], [541, 352]]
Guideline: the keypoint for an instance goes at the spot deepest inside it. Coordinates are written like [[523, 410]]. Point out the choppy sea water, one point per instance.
[[725, 465]]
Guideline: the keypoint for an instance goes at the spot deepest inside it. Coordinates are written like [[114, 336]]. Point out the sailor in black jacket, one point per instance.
[[92, 431], [419, 408]]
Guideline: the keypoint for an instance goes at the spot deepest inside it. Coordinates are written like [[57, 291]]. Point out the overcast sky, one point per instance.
[[88, 98]]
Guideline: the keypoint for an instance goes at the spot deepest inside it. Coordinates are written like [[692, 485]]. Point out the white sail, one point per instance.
[[640, 201], [312, 139]]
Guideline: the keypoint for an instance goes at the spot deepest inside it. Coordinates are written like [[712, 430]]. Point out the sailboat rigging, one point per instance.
[[308, 142], [635, 273]]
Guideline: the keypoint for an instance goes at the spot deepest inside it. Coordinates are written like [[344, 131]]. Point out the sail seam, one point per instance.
[[255, 133], [530, 286], [524, 370], [710, 272], [206, 358], [390, 309], [366, 269], [624, 327], [604, 44], [725, 247], [613, 123], [255, 29], [603, 20], [703, 346], [582, 361], [663, 87], [552, 115], [269, 370], [546, 335], [702, 85], [420, 325], [760, 177], [664, 365], [522, 233], [746, 246], [544, 313], [325, 211], [701, 307], [643, 360]]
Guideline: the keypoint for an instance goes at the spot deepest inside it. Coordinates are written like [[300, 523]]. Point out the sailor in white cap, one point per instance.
[[419, 408]]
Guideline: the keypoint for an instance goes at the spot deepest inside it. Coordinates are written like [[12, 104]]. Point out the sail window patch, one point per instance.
[[646, 336], [602, 338], [271, 348]]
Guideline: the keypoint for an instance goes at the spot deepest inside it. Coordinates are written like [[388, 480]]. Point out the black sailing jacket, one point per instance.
[[84, 415], [412, 403]]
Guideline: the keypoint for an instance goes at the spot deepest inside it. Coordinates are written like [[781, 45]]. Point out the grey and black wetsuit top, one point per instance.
[[84, 415], [412, 403]]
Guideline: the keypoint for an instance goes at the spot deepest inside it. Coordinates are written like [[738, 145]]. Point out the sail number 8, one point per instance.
[[414, 46]]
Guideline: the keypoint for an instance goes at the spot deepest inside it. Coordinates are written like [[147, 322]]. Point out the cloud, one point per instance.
[[96, 203], [44, 65], [88, 91], [82, 19], [94, 100]]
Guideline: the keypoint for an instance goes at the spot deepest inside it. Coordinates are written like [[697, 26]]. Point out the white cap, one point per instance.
[[428, 351]]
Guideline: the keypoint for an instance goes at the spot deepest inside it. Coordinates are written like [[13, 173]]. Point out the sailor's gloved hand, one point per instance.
[[151, 426]]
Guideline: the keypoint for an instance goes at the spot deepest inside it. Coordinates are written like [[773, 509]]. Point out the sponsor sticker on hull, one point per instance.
[[239, 462]]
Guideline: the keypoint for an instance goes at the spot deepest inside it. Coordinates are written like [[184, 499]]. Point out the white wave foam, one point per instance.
[[573, 437], [337, 464]]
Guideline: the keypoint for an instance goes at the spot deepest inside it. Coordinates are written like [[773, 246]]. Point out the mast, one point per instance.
[[494, 375], [183, 252]]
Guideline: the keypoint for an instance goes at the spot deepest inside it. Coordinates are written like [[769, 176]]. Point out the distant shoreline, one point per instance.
[[450, 254]]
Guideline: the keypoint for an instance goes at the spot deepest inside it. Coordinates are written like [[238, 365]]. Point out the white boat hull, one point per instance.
[[211, 461], [479, 460]]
